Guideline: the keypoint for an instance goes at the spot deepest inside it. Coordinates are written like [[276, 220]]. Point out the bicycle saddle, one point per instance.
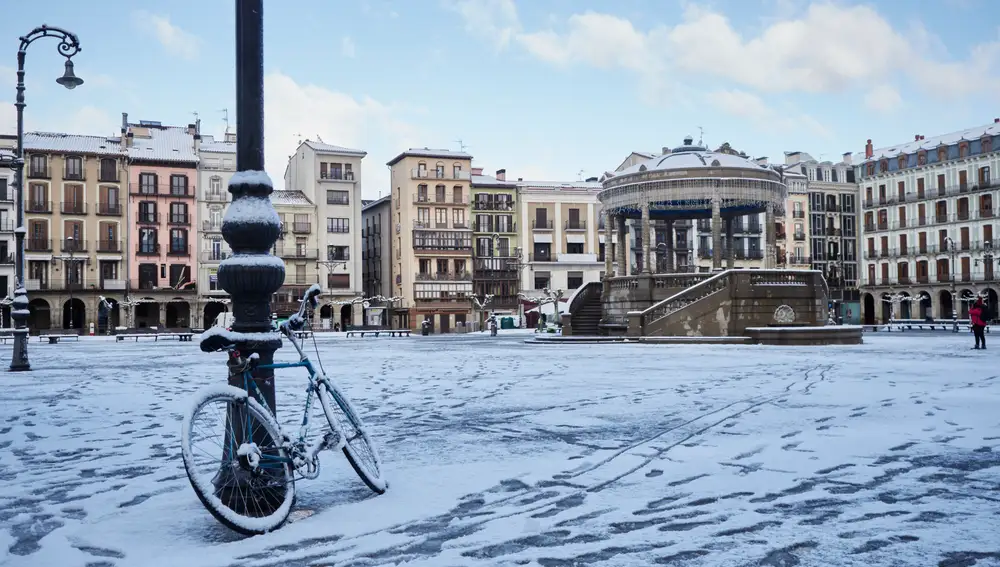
[[214, 343]]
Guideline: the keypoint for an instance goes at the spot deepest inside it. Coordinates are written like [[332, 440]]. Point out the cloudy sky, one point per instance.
[[548, 89]]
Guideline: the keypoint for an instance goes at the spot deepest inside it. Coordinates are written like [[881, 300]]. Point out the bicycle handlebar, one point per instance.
[[298, 321]]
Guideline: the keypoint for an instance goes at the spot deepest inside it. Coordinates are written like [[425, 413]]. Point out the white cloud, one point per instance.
[[883, 98], [82, 120], [291, 109], [347, 47], [753, 109], [8, 76], [171, 37], [825, 48]]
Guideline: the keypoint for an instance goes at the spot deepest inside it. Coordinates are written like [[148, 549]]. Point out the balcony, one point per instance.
[[799, 260], [107, 176], [179, 250], [576, 258], [73, 208], [32, 244], [215, 255], [344, 256], [302, 227], [74, 175], [539, 224], [149, 218], [779, 235], [109, 209], [164, 284], [296, 252], [800, 236], [419, 173], [109, 246], [426, 199], [148, 250], [443, 276], [986, 213], [33, 171], [74, 245], [112, 285], [216, 196], [962, 216], [493, 206], [336, 175], [211, 226], [33, 206], [795, 214], [575, 225], [179, 219], [7, 225], [540, 257], [7, 259]]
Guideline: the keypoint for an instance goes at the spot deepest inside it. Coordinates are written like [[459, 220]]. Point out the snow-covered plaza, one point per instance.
[[503, 453]]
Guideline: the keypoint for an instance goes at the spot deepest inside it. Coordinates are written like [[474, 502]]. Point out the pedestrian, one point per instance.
[[976, 315]]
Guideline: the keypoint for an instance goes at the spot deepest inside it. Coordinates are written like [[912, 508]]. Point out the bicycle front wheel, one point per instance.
[[358, 448], [233, 456]]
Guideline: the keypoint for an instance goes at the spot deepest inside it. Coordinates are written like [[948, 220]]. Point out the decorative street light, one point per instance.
[[69, 268], [480, 305], [515, 261], [68, 46], [952, 253]]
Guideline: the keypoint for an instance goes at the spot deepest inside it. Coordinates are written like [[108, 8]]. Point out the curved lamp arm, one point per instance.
[[69, 44]]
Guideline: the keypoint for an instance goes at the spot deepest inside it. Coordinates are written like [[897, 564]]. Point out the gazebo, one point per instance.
[[690, 182]]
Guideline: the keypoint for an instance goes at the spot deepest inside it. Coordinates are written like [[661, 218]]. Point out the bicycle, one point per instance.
[[251, 487]]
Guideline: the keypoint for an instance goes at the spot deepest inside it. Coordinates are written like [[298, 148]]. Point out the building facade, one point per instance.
[[432, 238], [8, 222], [791, 230], [162, 214], [76, 228], [329, 176], [496, 247], [561, 233], [298, 247], [376, 258], [929, 224], [216, 165]]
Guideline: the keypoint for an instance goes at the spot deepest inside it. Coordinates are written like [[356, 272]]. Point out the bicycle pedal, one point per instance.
[[331, 440]]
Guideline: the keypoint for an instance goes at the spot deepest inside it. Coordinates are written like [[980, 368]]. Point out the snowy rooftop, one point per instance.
[[72, 143], [332, 149], [490, 181], [886, 453], [931, 142], [210, 144], [569, 185], [690, 156], [289, 198], [165, 143], [375, 202], [429, 153]]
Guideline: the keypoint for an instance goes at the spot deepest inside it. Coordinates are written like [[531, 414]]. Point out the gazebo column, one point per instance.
[[645, 238], [609, 257], [730, 252], [622, 246], [716, 234], [769, 238], [669, 261]]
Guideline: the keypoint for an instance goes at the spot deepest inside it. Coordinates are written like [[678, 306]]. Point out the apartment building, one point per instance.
[[216, 165], [162, 209], [562, 232], [329, 176], [432, 244], [8, 221], [496, 262], [748, 243], [929, 224], [75, 222], [298, 247], [376, 258], [791, 230]]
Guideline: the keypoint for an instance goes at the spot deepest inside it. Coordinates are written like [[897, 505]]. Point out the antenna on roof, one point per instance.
[[318, 137], [225, 118], [461, 145], [580, 175], [299, 134], [701, 136], [195, 115]]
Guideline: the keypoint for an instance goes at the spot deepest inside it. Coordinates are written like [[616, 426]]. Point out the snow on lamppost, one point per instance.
[[68, 46]]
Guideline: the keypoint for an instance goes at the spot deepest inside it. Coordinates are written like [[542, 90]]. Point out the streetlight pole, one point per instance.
[[70, 244], [952, 254], [68, 46]]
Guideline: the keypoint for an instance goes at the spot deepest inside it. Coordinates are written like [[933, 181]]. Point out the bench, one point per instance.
[[182, 337], [377, 332], [54, 339], [302, 334]]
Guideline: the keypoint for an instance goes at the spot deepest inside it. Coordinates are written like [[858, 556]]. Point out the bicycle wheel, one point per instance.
[[248, 485], [358, 447]]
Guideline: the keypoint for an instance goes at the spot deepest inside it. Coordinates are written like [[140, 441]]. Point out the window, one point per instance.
[[574, 280], [338, 197], [338, 253], [179, 275], [440, 194], [148, 241], [422, 193], [542, 280], [109, 170], [178, 213], [574, 248], [74, 167], [147, 183], [148, 276], [458, 218], [456, 172], [338, 281], [38, 166], [178, 185], [423, 217], [178, 241], [215, 186], [541, 218], [441, 217], [341, 225], [456, 195], [147, 211], [541, 252]]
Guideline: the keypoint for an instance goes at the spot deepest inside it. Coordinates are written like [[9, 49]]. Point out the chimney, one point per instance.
[[520, 179], [847, 158], [591, 180], [129, 140], [665, 150], [477, 171], [191, 129], [501, 175], [996, 120], [124, 122], [761, 160], [916, 138], [869, 150]]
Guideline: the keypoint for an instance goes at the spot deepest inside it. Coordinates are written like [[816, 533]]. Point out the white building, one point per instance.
[[930, 224], [561, 235], [217, 164], [8, 222], [330, 176]]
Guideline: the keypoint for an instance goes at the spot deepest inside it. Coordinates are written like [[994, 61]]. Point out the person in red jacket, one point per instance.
[[978, 326]]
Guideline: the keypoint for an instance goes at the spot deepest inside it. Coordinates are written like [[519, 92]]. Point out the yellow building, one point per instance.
[[297, 246], [432, 239], [496, 268]]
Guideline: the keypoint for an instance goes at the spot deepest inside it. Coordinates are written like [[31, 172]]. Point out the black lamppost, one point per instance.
[[69, 46]]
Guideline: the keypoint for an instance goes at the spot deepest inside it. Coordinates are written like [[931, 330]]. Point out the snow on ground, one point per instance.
[[502, 453]]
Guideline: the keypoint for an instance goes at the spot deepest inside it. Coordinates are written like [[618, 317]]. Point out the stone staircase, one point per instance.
[[586, 310]]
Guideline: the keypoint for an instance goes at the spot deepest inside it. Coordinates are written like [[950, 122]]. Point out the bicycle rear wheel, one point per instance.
[[358, 448], [247, 484]]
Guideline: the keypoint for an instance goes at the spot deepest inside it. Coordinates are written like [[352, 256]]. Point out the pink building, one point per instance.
[[162, 268]]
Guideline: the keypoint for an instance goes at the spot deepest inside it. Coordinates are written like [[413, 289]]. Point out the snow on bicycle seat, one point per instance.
[[216, 338]]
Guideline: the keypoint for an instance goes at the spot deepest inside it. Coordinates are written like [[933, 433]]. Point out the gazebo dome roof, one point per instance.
[[690, 156]]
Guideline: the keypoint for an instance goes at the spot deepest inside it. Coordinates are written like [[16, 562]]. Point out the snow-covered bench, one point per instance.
[[183, 337], [54, 339], [377, 332], [303, 334]]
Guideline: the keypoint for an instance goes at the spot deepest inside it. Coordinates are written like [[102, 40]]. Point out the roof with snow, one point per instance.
[[291, 198], [165, 143], [429, 153], [210, 144], [690, 156], [932, 142], [490, 181], [375, 202], [585, 185], [332, 149], [72, 144]]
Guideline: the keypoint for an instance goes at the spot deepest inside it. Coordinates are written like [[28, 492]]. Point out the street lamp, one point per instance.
[[952, 251], [70, 275], [515, 261], [68, 46]]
